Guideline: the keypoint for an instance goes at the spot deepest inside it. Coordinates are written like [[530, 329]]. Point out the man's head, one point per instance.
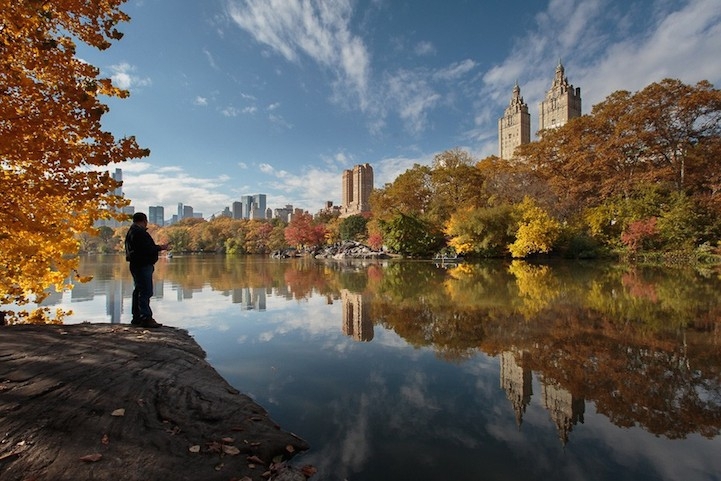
[[140, 218]]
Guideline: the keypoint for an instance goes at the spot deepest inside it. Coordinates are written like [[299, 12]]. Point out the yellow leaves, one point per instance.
[[50, 137], [537, 231]]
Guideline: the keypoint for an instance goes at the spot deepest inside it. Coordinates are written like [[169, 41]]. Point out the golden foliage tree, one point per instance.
[[52, 143]]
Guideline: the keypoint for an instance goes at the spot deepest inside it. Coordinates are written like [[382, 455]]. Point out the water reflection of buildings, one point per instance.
[[114, 291], [566, 411], [357, 321], [251, 297], [516, 379]]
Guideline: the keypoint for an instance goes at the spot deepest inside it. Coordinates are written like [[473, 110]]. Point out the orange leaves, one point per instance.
[[50, 138]]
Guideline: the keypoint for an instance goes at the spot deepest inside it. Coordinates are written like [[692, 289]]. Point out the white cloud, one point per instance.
[[230, 111], [147, 185], [123, 77], [211, 59], [266, 168], [680, 45], [413, 96], [200, 101], [425, 48], [279, 121], [318, 30], [678, 42], [455, 71]]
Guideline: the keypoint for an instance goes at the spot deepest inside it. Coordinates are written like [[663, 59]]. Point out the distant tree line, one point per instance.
[[641, 173]]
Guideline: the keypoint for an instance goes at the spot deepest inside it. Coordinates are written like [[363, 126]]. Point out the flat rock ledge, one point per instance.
[[115, 402]]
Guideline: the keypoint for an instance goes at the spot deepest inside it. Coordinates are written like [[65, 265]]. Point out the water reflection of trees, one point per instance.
[[642, 343]]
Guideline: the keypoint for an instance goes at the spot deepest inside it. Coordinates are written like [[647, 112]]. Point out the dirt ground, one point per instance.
[[115, 402]]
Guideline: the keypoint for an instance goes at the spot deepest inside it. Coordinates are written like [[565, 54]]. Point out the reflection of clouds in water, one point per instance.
[[414, 411], [633, 447], [266, 336], [415, 391], [354, 448]]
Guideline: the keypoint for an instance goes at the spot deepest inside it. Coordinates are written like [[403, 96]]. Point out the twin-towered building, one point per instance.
[[562, 103]]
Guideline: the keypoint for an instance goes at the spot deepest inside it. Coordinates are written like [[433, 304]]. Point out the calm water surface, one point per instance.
[[497, 371]]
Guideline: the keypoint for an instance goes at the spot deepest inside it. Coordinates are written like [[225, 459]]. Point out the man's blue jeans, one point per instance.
[[142, 291]]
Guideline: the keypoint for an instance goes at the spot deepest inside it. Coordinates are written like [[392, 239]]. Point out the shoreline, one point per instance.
[[115, 402]]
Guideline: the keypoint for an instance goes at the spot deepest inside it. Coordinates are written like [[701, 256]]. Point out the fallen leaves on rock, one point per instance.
[[194, 449], [255, 459], [118, 412], [308, 470], [214, 447], [91, 458], [230, 450]]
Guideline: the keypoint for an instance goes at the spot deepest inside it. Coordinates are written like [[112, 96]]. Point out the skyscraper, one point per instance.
[[514, 128], [562, 102], [357, 188], [237, 210], [253, 206], [156, 215]]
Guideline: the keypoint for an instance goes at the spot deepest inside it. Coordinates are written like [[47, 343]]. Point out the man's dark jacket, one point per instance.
[[140, 248]]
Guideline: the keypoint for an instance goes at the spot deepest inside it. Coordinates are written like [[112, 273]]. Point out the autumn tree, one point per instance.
[[485, 232], [455, 182], [675, 121], [666, 133], [537, 231], [52, 145], [303, 231], [410, 193], [508, 182]]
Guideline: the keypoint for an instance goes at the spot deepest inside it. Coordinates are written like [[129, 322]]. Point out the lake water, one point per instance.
[[417, 371]]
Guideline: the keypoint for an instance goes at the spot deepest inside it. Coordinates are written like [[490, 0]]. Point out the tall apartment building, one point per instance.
[[562, 103], [156, 215], [357, 188], [514, 128]]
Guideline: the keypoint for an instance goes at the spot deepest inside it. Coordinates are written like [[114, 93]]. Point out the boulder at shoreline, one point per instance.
[[115, 402]]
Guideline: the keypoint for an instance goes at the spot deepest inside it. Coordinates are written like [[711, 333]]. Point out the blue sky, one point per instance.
[[237, 97]]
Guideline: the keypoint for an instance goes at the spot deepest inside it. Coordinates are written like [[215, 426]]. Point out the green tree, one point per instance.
[[353, 228], [411, 236], [482, 231], [678, 224]]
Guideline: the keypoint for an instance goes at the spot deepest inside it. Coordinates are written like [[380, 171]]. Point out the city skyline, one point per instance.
[[282, 97]]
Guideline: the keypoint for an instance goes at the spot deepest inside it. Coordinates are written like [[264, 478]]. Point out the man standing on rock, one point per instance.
[[141, 252]]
